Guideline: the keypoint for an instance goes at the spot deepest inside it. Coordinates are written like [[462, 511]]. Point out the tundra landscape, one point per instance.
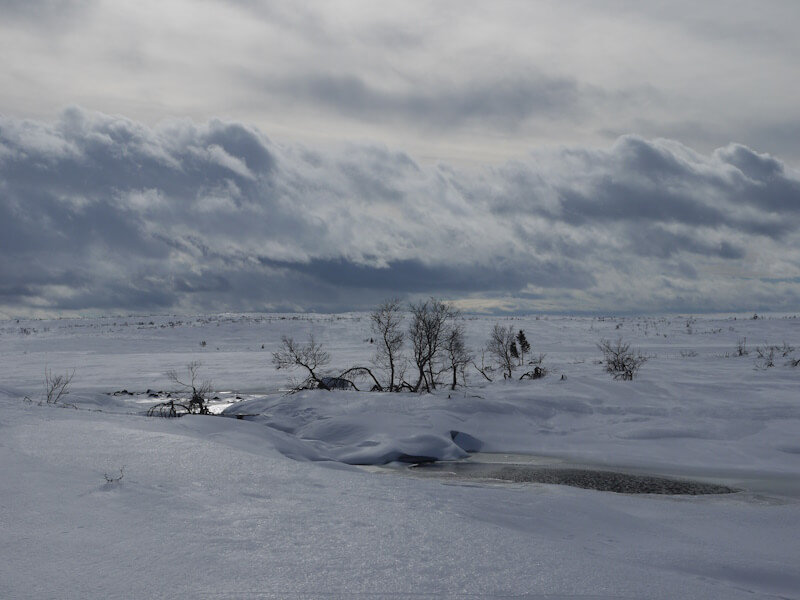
[[315, 493]]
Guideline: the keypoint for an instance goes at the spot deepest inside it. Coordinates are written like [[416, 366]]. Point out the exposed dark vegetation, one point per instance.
[[56, 386], [418, 348], [189, 385], [620, 360], [769, 353]]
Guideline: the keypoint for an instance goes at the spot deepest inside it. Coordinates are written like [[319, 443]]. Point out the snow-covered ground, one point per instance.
[[272, 506]]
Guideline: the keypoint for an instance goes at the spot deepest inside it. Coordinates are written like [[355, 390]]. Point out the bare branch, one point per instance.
[[56, 386], [309, 356], [484, 369], [362, 372]]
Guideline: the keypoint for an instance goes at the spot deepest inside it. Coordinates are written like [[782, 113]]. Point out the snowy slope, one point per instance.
[[267, 507]]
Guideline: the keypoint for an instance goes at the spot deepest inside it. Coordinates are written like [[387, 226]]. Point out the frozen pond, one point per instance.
[[519, 468], [593, 479]]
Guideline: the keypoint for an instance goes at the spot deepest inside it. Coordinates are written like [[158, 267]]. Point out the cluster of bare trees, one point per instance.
[[418, 348], [437, 343], [508, 350], [434, 339]]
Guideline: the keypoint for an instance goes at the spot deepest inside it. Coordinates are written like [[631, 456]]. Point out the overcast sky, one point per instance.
[[574, 156]]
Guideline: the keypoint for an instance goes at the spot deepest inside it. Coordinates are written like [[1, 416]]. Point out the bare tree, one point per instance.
[[200, 390], [56, 386], [500, 344], [387, 321], [426, 333], [309, 356], [622, 362], [457, 354]]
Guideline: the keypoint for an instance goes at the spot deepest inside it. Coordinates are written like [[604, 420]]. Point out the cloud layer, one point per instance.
[[463, 80], [106, 214]]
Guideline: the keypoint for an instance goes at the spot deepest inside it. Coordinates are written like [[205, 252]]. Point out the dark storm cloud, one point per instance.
[[659, 243], [101, 213], [413, 276], [640, 182]]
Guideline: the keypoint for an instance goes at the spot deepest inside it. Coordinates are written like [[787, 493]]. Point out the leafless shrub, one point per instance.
[[766, 357], [767, 354], [621, 362], [169, 409], [191, 384], [689, 324], [537, 373], [539, 359], [310, 357], [741, 347], [486, 370], [56, 386], [200, 390]]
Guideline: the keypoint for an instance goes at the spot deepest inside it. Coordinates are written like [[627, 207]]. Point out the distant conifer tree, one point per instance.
[[524, 346]]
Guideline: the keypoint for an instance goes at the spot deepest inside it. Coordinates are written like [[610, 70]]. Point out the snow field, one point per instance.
[[267, 508]]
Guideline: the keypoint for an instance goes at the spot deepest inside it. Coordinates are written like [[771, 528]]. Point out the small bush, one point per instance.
[[56, 386], [621, 362], [769, 352], [741, 347], [537, 373], [196, 404], [766, 357]]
